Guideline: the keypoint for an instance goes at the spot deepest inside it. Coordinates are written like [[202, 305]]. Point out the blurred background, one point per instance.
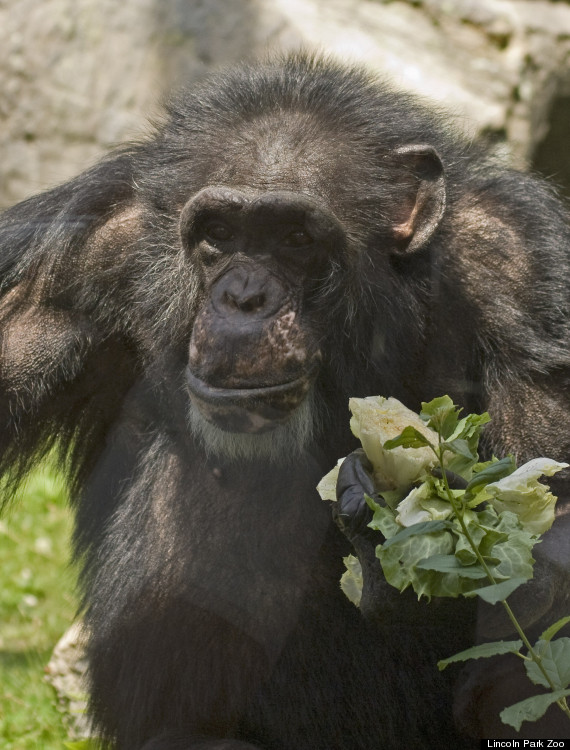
[[79, 76]]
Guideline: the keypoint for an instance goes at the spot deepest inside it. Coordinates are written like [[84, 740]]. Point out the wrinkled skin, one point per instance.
[[188, 319]]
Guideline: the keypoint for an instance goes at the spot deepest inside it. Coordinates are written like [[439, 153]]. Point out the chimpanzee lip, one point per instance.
[[215, 394], [249, 410]]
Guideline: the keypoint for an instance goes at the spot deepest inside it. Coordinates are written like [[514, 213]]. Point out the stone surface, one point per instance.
[[66, 673], [77, 76]]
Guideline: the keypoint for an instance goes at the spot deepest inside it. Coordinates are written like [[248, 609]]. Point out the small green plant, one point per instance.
[[475, 540]]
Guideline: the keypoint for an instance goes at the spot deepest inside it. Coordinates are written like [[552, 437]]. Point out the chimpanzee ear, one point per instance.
[[420, 212]]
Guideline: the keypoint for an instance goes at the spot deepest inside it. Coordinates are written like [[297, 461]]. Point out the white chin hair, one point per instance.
[[279, 445]]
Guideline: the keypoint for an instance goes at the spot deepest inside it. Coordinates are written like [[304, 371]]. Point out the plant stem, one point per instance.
[[458, 510]]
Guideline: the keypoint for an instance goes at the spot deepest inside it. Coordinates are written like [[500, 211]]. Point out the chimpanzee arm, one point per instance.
[[63, 367], [513, 282], [379, 601]]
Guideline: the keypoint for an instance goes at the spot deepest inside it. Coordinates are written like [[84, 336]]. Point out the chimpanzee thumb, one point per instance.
[[351, 512]]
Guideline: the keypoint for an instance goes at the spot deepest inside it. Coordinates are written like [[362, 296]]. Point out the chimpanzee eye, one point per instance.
[[218, 232], [298, 238]]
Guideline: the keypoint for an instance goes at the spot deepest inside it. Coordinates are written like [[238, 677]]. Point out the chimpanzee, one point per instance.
[[185, 322]]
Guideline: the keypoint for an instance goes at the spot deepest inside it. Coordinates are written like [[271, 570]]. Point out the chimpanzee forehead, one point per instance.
[[291, 152]]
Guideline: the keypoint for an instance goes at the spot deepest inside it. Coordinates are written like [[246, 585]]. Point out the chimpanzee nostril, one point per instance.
[[253, 303], [246, 303]]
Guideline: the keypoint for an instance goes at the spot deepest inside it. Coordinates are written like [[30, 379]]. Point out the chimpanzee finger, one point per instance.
[[455, 481], [351, 512]]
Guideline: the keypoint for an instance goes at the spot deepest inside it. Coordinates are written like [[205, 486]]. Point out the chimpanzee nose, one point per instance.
[[243, 300], [254, 293]]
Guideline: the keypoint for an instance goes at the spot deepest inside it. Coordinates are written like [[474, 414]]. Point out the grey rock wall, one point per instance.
[[77, 76]]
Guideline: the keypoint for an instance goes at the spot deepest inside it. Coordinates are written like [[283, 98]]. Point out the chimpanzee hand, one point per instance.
[[351, 512], [379, 602]]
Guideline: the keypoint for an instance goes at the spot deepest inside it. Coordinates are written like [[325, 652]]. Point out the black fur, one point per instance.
[[210, 582]]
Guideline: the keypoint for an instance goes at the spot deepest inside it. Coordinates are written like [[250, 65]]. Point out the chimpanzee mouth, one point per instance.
[[249, 410]]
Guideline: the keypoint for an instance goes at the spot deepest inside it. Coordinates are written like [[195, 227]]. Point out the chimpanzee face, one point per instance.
[[263, 255], [254, 352]]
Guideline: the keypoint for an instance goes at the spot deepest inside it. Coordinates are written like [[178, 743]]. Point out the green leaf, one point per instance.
[[482, 651], [463, 550], [412, 509], [461, 465], [87, 744], [550, 632], [399, 561], [491, 538], [461, 448], [327, 486], [530, 709], [427, 527], [465, 554], [351, 580], [499, 539], [522, 493], [383, 519], [393, 497], [450, 564], [514, 554], [470, 426], [555, 660], [408, 438], [498, 591], [492, 473], [464, 443], [371, 503], [441, 415]]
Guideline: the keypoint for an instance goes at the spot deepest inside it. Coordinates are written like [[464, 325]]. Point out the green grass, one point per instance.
[[36, 607]]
